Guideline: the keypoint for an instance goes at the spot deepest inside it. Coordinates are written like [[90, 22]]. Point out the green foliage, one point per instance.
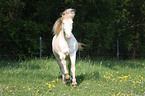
[[97, 23]]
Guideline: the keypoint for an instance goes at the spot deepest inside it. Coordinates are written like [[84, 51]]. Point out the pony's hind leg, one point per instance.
[[61, 66], [73, 59]]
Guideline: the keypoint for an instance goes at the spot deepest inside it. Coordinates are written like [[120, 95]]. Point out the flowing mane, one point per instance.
[[67, 14], [57, 27]]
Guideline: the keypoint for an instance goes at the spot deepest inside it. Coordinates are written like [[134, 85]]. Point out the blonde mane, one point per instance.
[[57, 27], [67, 14]]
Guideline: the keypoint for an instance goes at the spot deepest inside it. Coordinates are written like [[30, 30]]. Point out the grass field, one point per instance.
[[94, 78]]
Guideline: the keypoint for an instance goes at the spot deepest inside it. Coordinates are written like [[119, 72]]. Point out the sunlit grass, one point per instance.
[[94, 78]]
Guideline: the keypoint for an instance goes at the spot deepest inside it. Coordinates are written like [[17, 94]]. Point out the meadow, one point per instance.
[[94, 77]]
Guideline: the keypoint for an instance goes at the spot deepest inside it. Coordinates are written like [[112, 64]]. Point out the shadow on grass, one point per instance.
[[87, 76], [84, 76]]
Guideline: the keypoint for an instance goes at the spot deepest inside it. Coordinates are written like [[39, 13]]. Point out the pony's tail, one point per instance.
[[80, 46]]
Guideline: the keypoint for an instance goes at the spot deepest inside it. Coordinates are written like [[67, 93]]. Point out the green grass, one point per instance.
[[99, 78]]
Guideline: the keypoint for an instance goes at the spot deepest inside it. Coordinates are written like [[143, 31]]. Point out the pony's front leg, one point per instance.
[[73, 59], [63, 61]]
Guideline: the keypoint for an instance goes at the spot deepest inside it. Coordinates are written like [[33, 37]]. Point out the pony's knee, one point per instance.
[[73, 68], [63, 62]]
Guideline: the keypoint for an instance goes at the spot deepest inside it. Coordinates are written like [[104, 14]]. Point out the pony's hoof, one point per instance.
[[74, 85], [67, 76], [67, 80]]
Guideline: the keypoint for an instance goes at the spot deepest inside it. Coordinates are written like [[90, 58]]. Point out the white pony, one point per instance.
[[65, 44]]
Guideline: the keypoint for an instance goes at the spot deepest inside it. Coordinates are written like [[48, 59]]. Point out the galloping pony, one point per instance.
[[64, 44]]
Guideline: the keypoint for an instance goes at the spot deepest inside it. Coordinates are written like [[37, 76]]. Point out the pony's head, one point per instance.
[[69, 13], [65, 23]]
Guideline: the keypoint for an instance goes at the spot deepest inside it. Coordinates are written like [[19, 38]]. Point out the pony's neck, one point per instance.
[[62, 35]]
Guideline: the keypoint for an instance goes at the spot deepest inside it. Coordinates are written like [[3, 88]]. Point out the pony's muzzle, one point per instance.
[[68, 36]]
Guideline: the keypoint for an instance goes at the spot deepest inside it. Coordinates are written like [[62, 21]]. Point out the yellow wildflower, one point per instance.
[[118, 93], [113, 79], [53, 86], [53, 81], [123, 94], [49, 86], [37, 90], [104, 76], [125, 76], [47, 83]]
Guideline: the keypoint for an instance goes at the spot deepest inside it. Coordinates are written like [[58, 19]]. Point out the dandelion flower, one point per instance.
[[123, 94], [37, 90], [118, 93], [47, 83], [53, 81], [49, 86], [54, 86]]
